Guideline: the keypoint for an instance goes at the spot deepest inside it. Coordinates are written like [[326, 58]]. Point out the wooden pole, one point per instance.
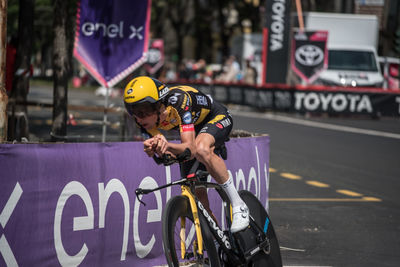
[[3, 92], [300, 15]]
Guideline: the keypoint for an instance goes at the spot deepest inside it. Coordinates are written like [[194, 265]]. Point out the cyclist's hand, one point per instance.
[[161, 144], [150, 147]]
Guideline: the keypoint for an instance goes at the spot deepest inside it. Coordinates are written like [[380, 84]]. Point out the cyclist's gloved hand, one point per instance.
[[160, 144], [149, 147]]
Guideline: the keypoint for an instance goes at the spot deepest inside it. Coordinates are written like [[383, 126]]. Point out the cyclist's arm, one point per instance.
[[181, 109], [187, 141], [160, 145]]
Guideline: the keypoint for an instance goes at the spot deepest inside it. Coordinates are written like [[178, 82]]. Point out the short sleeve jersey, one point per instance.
[[186, 108]]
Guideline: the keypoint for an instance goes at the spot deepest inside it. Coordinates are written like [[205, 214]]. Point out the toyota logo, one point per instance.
[[309, 55]]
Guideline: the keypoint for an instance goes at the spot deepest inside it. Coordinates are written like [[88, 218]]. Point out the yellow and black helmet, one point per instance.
[[142, 90]]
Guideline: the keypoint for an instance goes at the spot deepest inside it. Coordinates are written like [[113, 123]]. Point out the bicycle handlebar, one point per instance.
[[168, 159]]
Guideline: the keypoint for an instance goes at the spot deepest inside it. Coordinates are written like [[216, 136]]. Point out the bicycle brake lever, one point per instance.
[[139, 192]]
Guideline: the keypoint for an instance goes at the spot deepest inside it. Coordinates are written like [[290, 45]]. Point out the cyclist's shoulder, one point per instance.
[[183, 89]]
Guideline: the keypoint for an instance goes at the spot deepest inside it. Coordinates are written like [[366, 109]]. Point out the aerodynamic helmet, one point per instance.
[[143, 91]]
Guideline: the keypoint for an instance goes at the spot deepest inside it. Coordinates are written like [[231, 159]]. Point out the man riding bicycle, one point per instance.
[[203, 124]]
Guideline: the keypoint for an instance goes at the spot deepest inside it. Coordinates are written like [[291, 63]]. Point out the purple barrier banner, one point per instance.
[[75, 204]]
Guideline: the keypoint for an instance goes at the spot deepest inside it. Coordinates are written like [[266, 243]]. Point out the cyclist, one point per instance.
[[203, 124]]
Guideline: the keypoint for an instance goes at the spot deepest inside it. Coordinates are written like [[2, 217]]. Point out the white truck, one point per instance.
[[352, 49]]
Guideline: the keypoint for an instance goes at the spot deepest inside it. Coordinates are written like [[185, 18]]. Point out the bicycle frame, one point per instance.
[[186, 192], [188, 185], [188, 188]]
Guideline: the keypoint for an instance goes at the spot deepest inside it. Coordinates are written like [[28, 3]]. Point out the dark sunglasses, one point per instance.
[[143, 110]]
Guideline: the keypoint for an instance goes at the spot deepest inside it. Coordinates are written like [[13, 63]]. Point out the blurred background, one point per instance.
[[320, 77], [224, 42]]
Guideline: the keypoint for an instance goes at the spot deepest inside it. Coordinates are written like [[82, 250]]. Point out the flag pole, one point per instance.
[[300, 15], [104, 134]]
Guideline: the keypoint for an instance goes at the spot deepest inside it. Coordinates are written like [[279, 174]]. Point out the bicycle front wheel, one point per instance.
[[178, 230], [248, 239]]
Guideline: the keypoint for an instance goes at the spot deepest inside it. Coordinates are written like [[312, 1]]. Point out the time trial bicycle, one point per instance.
[[191, 237]]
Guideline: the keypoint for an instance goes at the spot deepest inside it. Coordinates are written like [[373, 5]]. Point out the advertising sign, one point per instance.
[[112, 37], [75, 204], [309, 53], [276, 41], [155, 59]]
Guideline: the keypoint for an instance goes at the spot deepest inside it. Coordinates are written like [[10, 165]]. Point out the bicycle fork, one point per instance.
[[186, 192]]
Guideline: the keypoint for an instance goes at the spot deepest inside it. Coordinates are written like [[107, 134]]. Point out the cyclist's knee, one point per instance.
[[203, 152]]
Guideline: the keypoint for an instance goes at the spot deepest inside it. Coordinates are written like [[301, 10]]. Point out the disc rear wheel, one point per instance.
[[271, 255]]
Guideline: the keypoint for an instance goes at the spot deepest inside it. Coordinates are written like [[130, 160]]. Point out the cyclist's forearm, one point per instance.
[[176, 149]]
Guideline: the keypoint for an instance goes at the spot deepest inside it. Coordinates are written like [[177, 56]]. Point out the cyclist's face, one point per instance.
[[146, 115]]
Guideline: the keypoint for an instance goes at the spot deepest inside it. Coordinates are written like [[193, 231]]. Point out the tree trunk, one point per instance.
[[3, 94], [223, 35], [18, 125], [61, 68]]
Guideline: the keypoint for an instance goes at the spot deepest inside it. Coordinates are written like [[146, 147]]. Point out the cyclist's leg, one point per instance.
[[214, 133], [201, 192]]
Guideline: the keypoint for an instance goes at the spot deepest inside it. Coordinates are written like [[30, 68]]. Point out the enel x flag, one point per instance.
[[112, 37]]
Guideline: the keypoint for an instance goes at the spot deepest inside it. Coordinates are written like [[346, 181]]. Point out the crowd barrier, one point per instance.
[[74, 204], [302, 99]]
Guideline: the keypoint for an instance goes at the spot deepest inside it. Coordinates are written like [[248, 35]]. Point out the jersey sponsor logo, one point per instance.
[[204, 129], [202, 100], [173, 99], [187, 128], [163, 92], [226, 122], [187, 118], [219, 125], [185, 102], [196, 116]]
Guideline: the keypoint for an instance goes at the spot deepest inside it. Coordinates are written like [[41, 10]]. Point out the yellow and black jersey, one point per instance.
[[188, 110]]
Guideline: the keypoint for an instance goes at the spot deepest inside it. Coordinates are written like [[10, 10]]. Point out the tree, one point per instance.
[[18, 124], [3, 94], [178, 13], [62, 54]]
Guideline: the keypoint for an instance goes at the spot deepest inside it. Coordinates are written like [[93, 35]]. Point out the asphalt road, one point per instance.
[[334, 193], [334, 183]]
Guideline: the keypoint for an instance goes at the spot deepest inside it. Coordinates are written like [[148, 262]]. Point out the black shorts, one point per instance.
[[219, 124]]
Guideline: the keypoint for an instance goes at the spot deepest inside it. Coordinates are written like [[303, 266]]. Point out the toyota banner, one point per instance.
[[112, 37], [309, 54], [276, 41]]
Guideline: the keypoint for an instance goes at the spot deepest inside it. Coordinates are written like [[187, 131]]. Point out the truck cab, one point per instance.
[[348, 66], [352, 49]]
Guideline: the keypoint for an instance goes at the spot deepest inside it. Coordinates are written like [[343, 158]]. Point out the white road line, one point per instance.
[[322, 125]]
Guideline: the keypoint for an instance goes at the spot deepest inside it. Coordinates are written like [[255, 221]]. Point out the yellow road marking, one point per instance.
[[349, 193], [317, 184], [290, 176], [364, 199], [375, 199]]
